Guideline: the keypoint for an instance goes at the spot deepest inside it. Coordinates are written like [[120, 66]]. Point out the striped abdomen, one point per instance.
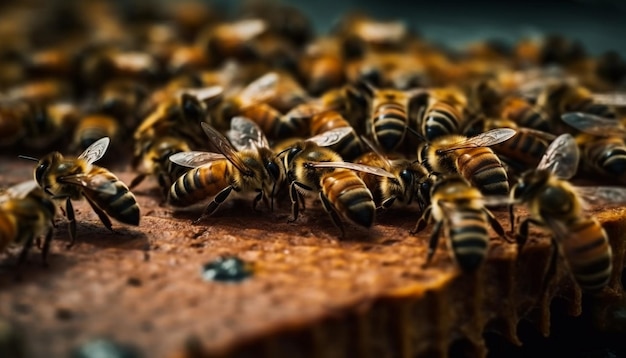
[[468, 235], [389, 122], [587, 251], [440, 119], [526, 115], [121, 205], [200, 183], [484, 170], [349, 195], [524, 147], [349, 147], [606, 155]]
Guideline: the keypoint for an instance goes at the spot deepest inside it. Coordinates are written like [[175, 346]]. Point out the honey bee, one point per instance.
[[40, 124], [75, 178], [358, 30], [154, 160], [390, 111], [524, 149], [248, 165], [394, 69], [559, 98], [411, 180], [263, 101], [554, 203], [349, 147], [601, 142], [178, 116], [469, 157], [459, 208], [26, 213], [441, 112], [311, 167], [121, 98], [233, 39]]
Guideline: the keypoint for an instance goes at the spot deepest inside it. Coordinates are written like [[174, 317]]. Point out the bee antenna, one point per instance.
[[417, 134], [28, 158]]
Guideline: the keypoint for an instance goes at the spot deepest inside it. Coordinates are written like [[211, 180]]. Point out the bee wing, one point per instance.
[[98, 182], [96, 150], [305, 110], [248, 28], [541, 134], [353, 166], [194, 159], [593, 124], [607, 195], [610, 99], [498, 200], [561, 157], [18, 191], [203, 94], [223, 146], [245, 134], [485, 139], [330, 137], [260, 89]]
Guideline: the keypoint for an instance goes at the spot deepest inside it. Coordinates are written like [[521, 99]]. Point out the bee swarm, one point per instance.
[[292, 102]]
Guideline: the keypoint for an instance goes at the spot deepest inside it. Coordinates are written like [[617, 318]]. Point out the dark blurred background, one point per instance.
[[599, 25]]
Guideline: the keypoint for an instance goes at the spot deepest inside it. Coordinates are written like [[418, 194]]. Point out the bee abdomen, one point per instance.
[[469, 238], [609, 157], [441, 119], [122, 206], [389, 125], [199, 183], [94, 127], [484, 170], [522, 147], [588, 253], [8, 230], [348, 193]]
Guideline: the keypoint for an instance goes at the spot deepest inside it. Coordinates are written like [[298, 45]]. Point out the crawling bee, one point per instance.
[[601, 142], [441, 112], [554, 203], [411, 180], [264, 101], [311, 167], [26, 213], [75, 178], [471, 158], [154, 160], [459, 207], [247, 165]]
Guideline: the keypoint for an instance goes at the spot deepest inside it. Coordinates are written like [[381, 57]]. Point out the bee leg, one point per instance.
[[69, 210], [296, 197], [46, 247], [495, 225], [522, 235], [24, 253], [258, 198], [333, 213], [137, 180], [422, 222], [386, 204], [551, 271], [215, 203], [512, 217], [433, 242], [104, 218]]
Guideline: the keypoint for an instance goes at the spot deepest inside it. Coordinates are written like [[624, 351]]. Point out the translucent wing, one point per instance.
[[607, 195], [223, 146], [248, 28], [330, 137], [485, 139], [561, 157], [98, 182], [96, 150], [537, 133], [19, 191], [305, 110], [352, 166], [245, 134], [260, 89], [195, 159], [593, 124], [610, 99], [203, 94]]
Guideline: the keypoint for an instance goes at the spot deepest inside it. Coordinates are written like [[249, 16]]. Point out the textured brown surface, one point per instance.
[[312, 294]]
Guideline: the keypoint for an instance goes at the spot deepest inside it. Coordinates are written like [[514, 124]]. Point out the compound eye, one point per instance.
[[40, 171], [273, 169], [406, 176], [292, 153]]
